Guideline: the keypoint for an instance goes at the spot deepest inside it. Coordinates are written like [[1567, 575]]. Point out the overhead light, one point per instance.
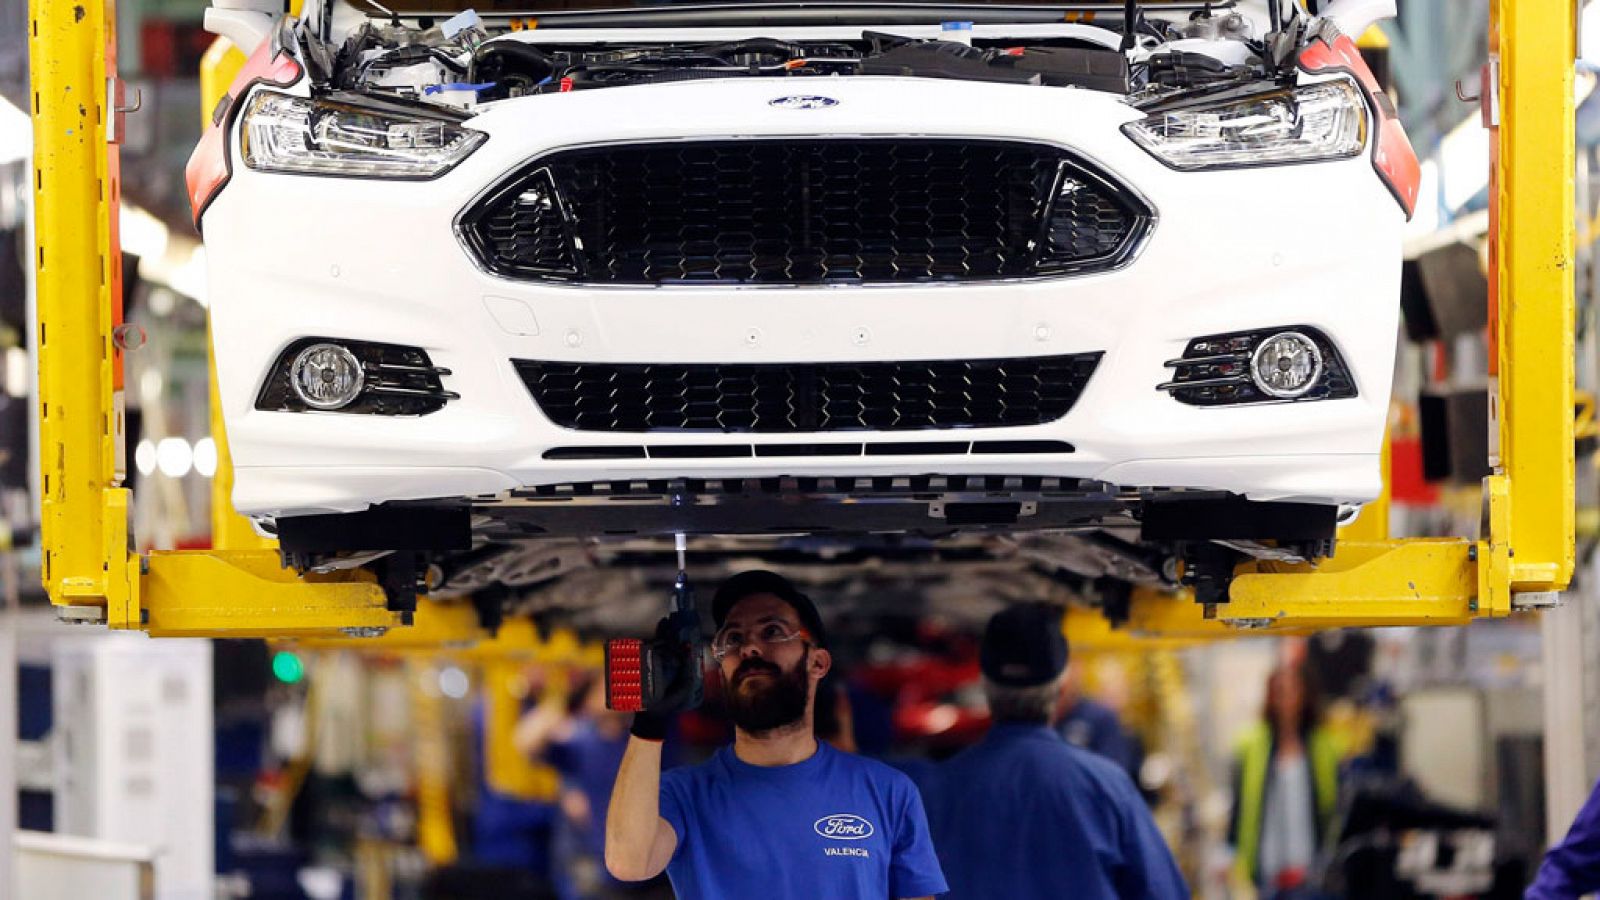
[[453, 682], [144, 458], [205, 457], [174, 457]]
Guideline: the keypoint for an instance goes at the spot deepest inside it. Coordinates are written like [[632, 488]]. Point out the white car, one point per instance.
[[661, 268]]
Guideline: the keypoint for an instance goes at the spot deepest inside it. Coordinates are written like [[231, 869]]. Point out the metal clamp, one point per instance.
[[116, 96], [1486, 93]]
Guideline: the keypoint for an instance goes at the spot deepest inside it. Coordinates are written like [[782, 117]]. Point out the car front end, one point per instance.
[[748, 251]]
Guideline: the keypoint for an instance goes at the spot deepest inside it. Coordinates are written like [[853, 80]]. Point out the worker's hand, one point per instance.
[[674, 678]]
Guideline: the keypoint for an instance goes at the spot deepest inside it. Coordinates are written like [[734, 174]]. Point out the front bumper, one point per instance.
[[1311, 245]]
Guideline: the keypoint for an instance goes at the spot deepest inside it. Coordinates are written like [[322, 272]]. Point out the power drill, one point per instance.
[[665, 673]]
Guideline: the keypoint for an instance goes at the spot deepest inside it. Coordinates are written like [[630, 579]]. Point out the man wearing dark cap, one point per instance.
[[1023, 814], [779, 814]]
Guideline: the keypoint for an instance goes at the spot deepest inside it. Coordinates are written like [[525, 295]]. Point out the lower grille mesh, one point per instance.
[[796, 398]]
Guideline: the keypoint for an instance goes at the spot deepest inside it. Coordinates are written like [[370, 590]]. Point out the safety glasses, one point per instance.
[[731, 641]]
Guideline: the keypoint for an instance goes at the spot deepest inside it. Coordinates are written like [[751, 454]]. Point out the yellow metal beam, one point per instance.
[[437, 626], [1419, 581], [76, 189], [249, 594], [1532, 191]]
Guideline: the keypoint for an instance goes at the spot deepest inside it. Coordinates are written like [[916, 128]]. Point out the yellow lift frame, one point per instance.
[[239, 588]]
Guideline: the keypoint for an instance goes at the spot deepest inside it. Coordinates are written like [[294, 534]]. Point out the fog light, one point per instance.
[[326, 376], [1286, 365]]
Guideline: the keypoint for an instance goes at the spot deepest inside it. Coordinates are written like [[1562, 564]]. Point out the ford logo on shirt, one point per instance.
[[844, 827], [803, 102]]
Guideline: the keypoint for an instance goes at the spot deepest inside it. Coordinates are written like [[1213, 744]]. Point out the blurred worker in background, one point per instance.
[[1572, 868], [1025, 815], [585, 742], [780, 814], [1093, 726], [1286, 787], [510, 833]]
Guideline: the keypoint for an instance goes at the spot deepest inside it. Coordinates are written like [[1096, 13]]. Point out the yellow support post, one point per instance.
[[76, 190], [89, 569], [506, 770], [436, 833], [1532, 253]]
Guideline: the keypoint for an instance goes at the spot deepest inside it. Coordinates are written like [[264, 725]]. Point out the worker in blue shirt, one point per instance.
[[779, 815], [1023, 814], [1572, 868], [1092, 725]]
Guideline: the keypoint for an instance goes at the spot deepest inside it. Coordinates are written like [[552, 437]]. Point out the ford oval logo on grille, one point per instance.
[[844, 827], [803, 101]]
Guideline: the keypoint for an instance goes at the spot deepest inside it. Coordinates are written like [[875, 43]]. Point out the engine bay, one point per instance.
[[466, 61]]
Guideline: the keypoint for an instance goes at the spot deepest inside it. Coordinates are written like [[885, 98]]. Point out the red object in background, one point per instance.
[[1392, 154], [944, 725], [1406, 484], [169, 49], [921, 677], [923, 692]]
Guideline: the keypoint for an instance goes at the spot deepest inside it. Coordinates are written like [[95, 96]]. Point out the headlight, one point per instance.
[[320, 137], [1318, 121]]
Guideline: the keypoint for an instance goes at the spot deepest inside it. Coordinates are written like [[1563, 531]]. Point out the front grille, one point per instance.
[[805, 211], [784, 398]]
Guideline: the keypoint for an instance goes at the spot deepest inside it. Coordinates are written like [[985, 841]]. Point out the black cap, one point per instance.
[[1023, 646], [761, 581]]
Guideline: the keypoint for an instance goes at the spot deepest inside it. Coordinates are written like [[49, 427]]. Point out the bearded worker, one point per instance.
[[777, 815]]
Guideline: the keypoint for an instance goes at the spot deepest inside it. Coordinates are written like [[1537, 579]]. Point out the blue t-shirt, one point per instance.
[[1024, 815], [1572, 867], [836, 825]]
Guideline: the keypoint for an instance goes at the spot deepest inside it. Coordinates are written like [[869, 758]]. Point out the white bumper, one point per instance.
[[1312, 245]]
